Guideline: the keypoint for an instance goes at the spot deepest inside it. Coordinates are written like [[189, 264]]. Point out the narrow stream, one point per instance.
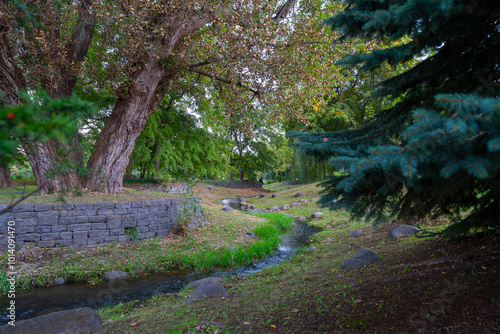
[[39, 301]]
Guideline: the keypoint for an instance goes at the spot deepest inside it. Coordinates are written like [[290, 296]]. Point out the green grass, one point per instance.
[[222, 242]]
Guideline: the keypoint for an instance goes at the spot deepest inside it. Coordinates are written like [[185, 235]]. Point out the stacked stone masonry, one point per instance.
[[169, 188], [237, 185], [90, 224]]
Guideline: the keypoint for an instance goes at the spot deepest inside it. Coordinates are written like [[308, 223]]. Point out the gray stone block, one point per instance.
[[75, 213], [23, 207], [98, 233], [42, 229], [146, 204], [7, 216], [117, 231], [120, 211], [63, 214], [162, 233], [126, 218], [66, 221], [79, 227], [129, 224], [84, 206], [111, 239], [43, 207], [66, 235], [91, 212], [26, 222], [45, 243], [140, 216], [65, 242], [114, 222], [136, 204], [143, 229], [81, 219], [142, 236], [49, 236], [105, 212], [105, 205], [25, 215], [125, 205], [124, 238], [63, 206], [59, 228], [98, 226], [48, 218], [151, 234], [95, 241], [80, 238], [23, 229], [28, 237], [144, 222], [98, 219]]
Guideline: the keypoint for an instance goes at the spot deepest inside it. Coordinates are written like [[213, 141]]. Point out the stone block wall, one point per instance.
[[236, 185], [91, 224], [168, 188]]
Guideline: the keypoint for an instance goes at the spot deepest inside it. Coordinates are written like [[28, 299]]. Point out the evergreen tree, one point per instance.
[[413, 163]]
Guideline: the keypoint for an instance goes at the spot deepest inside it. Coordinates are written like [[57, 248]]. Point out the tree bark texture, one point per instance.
[[5, 179], [11, 81], [146, 89], [45, 156]]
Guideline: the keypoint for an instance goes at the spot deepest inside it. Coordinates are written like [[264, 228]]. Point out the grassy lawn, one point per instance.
[[420, 285]]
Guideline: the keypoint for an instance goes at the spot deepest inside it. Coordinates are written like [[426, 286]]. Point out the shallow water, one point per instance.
[[73, 295]]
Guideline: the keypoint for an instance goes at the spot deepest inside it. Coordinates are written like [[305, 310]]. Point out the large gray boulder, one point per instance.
[[401, 230], [274, 208], [300, 193], [285, 207], [116, 274], [207, 287], [81, 320], [361, 258], [275, 195]]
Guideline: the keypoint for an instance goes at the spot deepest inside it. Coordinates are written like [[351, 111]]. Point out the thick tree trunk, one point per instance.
[[11, 81], [45, 157], [5, 179], [128, 173], [147, 87]]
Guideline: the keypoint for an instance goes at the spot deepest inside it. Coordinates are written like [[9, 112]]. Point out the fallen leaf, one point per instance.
[[295, 310], [273, 326]]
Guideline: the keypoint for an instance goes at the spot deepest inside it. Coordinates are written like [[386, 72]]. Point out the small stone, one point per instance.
[[356, 233], [316, 215], [227, 209], [210, 187], [262, 195], [303, 200], [359, 259], [274, 208], [60, 280], [285, 207], [116, 274], [299, 194], [275, 195], [251, 235], [301, 219], [311, 248], [294, 205], [206, 289], [402, 230]]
